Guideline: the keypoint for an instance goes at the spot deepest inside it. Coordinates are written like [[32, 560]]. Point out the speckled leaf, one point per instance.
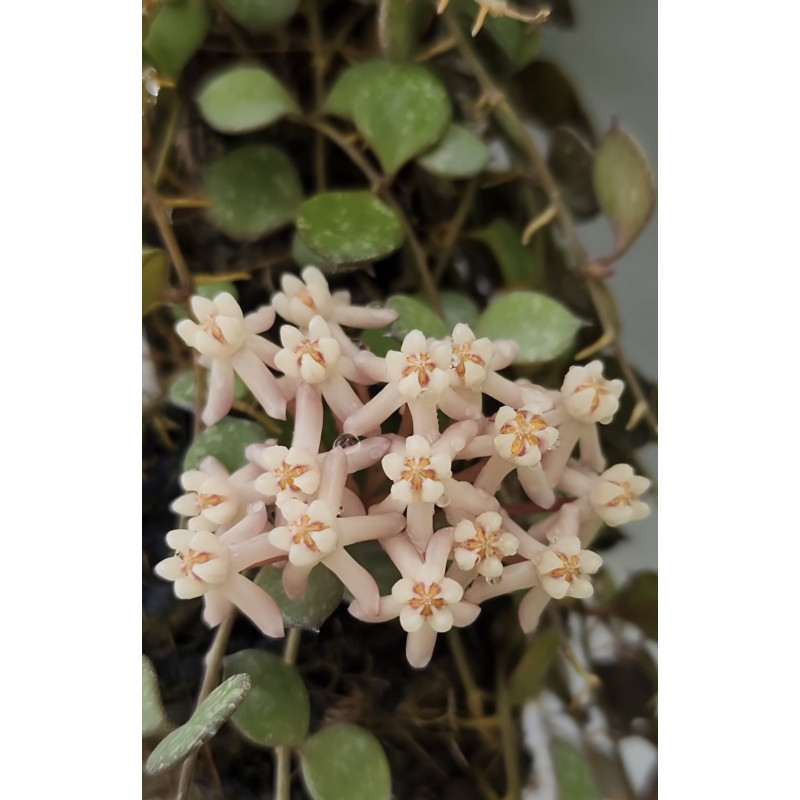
[[460, 154], [209, 290], [155, 278], [571, 161], [323, 595], [349, 227], [304, 256], [174, 35], [342, 98], [260, 15], [575, 780], [154, 719], [399, 25], [345, 762], [376, 560], [456, 308], [542, 327], [415, 316], [517, 261], [528, 677], [623, 182], [277, 709], [182, 390], [225, 441], [253, 191], [240, 99], [637, 602], [403, 114], [216, 709]]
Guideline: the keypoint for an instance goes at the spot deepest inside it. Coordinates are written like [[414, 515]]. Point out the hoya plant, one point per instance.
[[394, 432]]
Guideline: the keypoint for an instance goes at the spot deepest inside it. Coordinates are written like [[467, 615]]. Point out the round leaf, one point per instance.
[[460, 154], [415, 315], [277, 709], [346, 762], [625, 187], [543, 328], [225, 441], [349, 227], [342, 98], [253, 191], [323, 595], [204, 723], [260, 15], [517, 261], [243, 98], [154, 718], [155, 278], [402, 114], [304, 256], [174, 35], [182, 390]]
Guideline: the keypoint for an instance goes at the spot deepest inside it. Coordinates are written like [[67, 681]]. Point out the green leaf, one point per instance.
[[460, 154], [402, 114], [155, 278], [349, 227], [414, 315], [226, 441], [456, 307], [277, 709], [175, 34], [253, 190], [517, 261], [304, 256], [323, 595], [210, 291], [625, 187], [637, 602], [260, 15], [571, 161], [345, 762], [398, 27], [182, 390], [342, 98], [204, 723], [240, 99], [376, 561], [520, 43], [154, 719], [575, 779], [542, 327], [528, 677]]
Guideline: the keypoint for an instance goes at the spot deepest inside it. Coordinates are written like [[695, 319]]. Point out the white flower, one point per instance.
[[484, 544], [420, 369], [563, 566], [311, 358], [200, 563], [211, 500], [290, 473], [522, 436], [588, 396], [471, 358], [614, 496], [418, 474], [310, 532], [220, 332], [426, 598]]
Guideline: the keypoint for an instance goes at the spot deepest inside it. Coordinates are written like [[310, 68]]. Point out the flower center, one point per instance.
[[205, 501], [421, 364], [304, 296], [416, 471], [484, 543], [427, 598], [286, 474], [524, 427], [191, 559], [212, 329], [461, 355], [303, 530], [309, 348], [599, 392], [624, 499], [570, 571]]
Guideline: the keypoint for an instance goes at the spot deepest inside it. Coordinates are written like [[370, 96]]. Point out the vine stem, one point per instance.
[[210, 681], [378, 184], [510, 121], [283, 778]]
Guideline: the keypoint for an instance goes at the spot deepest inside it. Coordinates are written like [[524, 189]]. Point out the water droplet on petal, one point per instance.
[[346, 440]]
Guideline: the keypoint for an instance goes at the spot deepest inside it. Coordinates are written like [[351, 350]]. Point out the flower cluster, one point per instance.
[[435, 512]]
